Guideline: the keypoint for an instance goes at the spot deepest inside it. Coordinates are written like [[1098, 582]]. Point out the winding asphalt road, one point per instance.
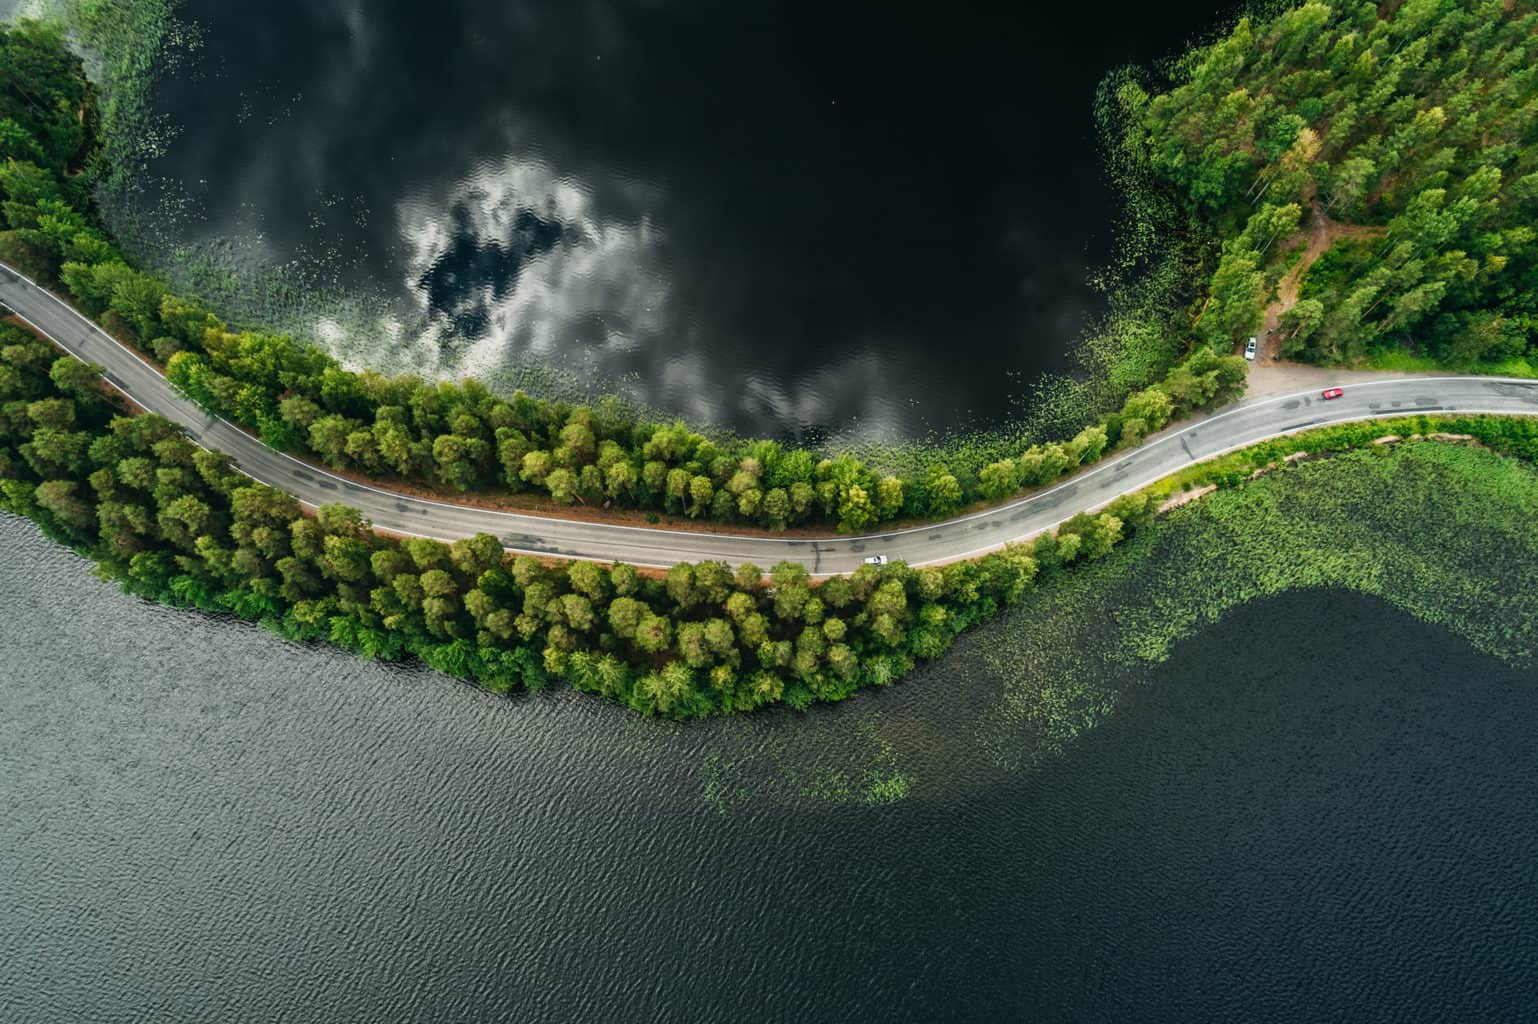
[[970, 535]]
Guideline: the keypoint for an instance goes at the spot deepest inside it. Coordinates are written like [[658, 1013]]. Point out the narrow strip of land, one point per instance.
[[967, 536]]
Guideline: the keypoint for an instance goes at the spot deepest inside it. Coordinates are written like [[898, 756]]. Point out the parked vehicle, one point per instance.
[[875, 560], [1330, 393], [1249, 349]]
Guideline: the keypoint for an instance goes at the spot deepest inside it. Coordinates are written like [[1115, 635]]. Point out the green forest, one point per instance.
[[1403, 135]]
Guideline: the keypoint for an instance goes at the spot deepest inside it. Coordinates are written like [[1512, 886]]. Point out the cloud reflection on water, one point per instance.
[[740, 220]]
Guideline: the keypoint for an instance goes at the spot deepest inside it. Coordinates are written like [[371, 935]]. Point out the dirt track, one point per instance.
[[1322, 233]]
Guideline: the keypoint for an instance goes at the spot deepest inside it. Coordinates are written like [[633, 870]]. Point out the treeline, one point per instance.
[[460, 437], [175, 523], [1415, 121]]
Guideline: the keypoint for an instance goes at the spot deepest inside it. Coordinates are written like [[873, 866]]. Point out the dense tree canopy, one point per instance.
[[1414, 122]]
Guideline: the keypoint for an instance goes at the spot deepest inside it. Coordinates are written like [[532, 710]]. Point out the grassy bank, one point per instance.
[[1402, 361]]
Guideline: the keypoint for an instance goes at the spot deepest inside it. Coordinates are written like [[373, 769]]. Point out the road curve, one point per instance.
[[967, 536]]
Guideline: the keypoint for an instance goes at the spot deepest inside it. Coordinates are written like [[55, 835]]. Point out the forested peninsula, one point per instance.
[[173, 522]]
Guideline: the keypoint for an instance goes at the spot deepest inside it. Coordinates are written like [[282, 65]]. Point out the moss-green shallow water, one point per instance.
[[1446, 533]]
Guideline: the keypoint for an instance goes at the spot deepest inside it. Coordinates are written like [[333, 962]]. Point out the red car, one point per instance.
[[1330, 393]]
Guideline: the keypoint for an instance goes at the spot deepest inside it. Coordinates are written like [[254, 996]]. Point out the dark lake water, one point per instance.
[[776, 215], [1330, 820]]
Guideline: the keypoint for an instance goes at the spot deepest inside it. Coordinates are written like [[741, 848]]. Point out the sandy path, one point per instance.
[[1275, 377]]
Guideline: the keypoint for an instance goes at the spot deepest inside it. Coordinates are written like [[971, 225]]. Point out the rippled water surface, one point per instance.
[[1317, 810], [777, 215]]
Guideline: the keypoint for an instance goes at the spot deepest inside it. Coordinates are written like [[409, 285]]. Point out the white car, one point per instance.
[[1249, 350], [875, 560]]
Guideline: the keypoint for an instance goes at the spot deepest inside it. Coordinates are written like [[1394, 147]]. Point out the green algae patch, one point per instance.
[[1446, 533], [872, 775]]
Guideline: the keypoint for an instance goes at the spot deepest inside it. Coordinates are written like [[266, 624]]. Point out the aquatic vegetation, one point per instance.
[[870, 772], [1443, 531], [130, 44]]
